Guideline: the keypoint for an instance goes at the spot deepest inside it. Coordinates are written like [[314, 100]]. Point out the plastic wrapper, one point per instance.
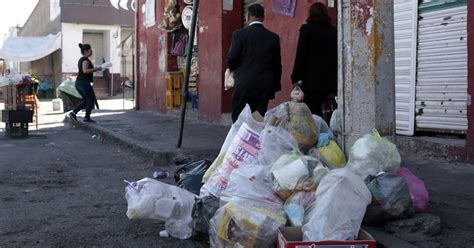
[[244, 117], [275, 142], [246, 224], [151, 199], [295, 172], [331, 154], [341, 202], [373, 154], [323, 127], [390, 199], [298, 206], [297, 119], [418, 191], [243, 149], [335, 123]]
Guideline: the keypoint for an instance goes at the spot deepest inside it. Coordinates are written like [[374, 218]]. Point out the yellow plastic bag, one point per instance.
[[332, 155]]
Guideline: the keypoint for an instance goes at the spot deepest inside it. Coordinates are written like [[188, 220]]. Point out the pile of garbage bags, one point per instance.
[[285, 171]]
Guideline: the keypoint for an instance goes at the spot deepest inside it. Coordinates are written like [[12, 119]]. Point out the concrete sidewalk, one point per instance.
[[155, 135]]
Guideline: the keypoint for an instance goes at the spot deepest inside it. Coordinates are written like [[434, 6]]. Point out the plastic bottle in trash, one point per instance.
[[160, 174]]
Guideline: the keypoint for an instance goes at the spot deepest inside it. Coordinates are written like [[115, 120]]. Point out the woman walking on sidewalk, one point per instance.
[[83, 83]]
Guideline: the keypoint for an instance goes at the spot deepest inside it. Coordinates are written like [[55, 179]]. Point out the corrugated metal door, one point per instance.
[[441, 91], [406, 21]]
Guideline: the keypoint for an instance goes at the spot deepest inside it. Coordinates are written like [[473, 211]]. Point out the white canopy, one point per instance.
[[23, 49]]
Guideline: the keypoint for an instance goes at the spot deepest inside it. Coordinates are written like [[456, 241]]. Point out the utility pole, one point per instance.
[[366, 69]]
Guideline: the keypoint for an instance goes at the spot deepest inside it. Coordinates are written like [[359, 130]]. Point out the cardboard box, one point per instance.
[[291, 237]]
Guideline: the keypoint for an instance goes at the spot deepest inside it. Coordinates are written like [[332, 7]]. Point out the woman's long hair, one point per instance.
[[318, 13]]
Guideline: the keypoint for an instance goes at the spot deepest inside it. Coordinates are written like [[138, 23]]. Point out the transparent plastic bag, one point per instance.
[[373, 154], [323, 127], [251, 182], [341, 202], [245, 223], [418, 191], [298, 206], [390, 199], [331, 154], [252, 213], [297, 119], [275, 142], [243, 149], [244, 117], [295, 172], [151, 199], [204, 209]]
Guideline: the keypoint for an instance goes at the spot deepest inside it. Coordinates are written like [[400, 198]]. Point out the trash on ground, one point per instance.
[[373, 154], [341, 202], [331, 154], [298, 120], [204, 209], [295, 172], [243, 148], [418, 192], [390, 199], [151, 199], [189, 175], [298, 206], [159, 174]]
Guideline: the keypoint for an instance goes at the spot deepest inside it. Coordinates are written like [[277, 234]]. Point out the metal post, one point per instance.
[[188, 72], [366, 72]]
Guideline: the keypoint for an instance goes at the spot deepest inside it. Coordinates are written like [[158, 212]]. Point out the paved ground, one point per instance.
[[61, 187]]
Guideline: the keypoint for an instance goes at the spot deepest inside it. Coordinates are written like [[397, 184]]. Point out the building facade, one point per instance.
[[434, 61], [96, 22]]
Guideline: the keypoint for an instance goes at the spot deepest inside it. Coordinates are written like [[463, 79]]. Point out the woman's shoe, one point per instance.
[[73, 116]]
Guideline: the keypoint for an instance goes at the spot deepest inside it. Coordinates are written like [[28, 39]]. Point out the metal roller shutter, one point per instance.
[[405, 18], [441, 90]]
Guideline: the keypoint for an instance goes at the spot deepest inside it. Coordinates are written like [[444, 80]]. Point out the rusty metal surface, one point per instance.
[[367, 85]]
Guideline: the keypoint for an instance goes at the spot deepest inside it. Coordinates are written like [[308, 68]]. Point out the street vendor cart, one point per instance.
[[21, 105]]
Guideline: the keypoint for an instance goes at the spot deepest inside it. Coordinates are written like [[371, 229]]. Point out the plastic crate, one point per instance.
[[16, 130]]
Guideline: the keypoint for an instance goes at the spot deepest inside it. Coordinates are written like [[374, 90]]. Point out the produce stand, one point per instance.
[[21, 106]]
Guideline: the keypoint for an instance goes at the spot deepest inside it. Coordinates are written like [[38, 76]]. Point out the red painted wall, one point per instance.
[[288, 29], [470, 108], [215, 35], [152, 62]]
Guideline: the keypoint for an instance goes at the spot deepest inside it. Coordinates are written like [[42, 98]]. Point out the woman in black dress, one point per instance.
[[316, 58], [83, 83]]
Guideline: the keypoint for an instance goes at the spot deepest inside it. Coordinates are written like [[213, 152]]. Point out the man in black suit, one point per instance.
[[255, 59]]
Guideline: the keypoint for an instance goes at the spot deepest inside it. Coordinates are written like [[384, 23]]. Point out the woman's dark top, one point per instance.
[[81, 76], [316, 58]]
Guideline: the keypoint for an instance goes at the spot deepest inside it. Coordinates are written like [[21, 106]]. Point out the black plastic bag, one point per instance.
[[203, 211], [390, 199], [189, 175]]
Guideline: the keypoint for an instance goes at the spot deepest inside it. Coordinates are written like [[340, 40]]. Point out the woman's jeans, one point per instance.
[[88, 97]]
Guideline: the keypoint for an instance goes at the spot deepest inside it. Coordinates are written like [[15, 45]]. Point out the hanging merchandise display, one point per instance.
[[171, 21]]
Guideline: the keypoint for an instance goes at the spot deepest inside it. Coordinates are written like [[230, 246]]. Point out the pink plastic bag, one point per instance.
[[418, 192]]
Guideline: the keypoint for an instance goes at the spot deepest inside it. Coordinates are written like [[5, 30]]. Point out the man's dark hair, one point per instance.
[[257, 10], [318, 13]]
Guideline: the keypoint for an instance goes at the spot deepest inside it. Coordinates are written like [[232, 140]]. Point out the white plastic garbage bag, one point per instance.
[[244, 117], [295, 172], [323, 127], [373, 154], [243, 149], [151, 199], [341, 201], [275, 142]]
